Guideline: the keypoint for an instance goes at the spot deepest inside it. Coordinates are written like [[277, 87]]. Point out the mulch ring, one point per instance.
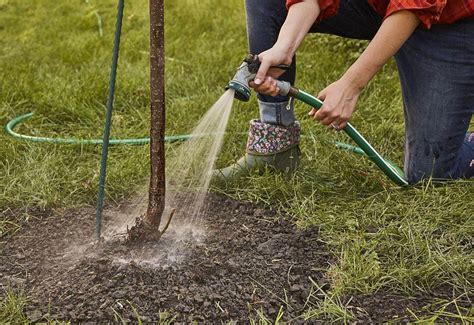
[[238, 263]]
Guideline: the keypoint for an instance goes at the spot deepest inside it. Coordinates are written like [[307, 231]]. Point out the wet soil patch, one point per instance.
[[239, 261]]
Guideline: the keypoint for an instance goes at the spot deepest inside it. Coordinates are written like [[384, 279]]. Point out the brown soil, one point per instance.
[[241, 259]]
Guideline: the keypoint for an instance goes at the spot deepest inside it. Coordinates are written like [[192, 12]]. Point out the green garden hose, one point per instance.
[[247, 71], [389, 169], [9, 128]]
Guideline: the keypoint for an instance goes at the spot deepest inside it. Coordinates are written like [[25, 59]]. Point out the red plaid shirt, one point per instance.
[[429, 11]]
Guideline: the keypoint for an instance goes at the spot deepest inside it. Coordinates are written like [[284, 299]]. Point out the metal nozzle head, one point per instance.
[[242, 92], [245, 73]]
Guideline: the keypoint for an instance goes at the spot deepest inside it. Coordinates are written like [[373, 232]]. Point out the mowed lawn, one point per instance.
[[55, 61]]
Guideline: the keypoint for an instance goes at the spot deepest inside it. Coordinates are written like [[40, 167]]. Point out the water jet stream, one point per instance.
[[190, 168], [188, 173]]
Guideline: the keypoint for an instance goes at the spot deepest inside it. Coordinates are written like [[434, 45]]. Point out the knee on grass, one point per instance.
[[437, 173]]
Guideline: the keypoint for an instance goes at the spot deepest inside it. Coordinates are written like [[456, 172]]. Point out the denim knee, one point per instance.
[[436, 160], [437, 78]]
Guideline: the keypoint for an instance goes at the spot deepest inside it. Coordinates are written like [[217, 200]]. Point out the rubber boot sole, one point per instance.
[[286, 162]]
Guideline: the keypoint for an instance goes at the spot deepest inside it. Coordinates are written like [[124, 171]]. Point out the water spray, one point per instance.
[[247, 72]]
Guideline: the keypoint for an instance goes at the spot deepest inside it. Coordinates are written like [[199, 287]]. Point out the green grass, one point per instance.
[[55, 63], [460, 315], [11, 308]]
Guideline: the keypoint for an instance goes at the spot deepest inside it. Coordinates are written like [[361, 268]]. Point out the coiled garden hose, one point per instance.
[[10, 129]]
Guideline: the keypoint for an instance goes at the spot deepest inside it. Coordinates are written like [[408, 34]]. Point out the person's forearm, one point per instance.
[[301, 16], [393, 32]]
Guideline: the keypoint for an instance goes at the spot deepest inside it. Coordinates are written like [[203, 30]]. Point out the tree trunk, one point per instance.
[[156, 198]]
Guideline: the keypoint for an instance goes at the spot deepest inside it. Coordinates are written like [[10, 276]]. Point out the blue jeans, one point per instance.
[[436, 69]]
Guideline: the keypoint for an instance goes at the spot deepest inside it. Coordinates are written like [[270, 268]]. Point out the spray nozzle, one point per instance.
[[246, 73]]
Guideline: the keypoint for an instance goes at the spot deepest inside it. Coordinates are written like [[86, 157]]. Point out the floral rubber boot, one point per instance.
[[268, 145]]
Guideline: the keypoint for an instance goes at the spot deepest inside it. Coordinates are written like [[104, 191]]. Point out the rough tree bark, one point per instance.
[[147, 227], [156, 196]]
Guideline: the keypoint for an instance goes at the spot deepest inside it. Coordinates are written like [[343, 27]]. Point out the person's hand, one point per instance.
[[340, 99], [264, 81]]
